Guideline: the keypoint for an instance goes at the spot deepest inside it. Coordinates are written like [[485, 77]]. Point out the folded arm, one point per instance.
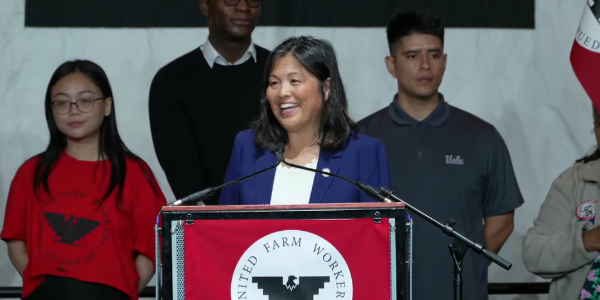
[[502, 195], [374, 169], [15, 217], [145, 269], [175, 143], [497, 229], [17, 253], [231, 194], [149, 202]]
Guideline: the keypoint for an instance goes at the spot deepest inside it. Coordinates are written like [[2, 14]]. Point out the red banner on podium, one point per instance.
[[287, 259]]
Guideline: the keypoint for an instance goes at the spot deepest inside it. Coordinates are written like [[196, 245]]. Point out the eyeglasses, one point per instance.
[[251, 3], [62, 107]]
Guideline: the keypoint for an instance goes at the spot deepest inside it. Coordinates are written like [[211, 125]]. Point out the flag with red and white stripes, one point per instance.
[[585, 54]]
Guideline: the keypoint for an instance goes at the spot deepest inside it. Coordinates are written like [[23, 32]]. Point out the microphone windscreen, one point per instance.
[[272, 147], [280, 146]]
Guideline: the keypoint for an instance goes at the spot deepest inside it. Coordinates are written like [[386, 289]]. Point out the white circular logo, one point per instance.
[[291, 264]]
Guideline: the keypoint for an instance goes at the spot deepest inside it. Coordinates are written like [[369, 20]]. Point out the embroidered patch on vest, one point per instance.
[[586, 211]]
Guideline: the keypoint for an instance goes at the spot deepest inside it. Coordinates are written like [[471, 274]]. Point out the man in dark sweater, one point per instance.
[[199, 101]]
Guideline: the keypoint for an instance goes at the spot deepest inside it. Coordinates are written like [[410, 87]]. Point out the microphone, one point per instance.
[[374, 193], [205, 193], [277, 150]]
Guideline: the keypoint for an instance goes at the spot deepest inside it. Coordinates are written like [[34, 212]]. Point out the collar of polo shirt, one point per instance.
[[436, 118]]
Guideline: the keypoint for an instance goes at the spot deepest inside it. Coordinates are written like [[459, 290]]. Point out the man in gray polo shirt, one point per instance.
[[446, 162]]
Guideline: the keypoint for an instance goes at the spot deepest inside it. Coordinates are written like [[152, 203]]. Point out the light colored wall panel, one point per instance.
[[519, 80]]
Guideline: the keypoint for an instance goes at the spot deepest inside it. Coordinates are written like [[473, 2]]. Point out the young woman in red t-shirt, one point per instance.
[[80, 215]]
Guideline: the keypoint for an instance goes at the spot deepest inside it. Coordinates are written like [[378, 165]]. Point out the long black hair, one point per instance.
[[596, 154], [110, 146], [318, 57]]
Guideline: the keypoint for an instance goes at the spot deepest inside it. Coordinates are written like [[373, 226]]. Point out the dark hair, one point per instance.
[[111, 147], [413, 22], [318, 57], [596, 154]]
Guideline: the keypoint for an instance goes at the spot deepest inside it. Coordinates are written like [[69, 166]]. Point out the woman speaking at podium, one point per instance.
[[304, 107]]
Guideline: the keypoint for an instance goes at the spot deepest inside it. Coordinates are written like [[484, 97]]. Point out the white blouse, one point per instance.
[[293, 185]]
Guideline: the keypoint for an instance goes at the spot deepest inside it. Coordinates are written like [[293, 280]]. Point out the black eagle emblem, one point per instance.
[[72, 229], [306, 289]]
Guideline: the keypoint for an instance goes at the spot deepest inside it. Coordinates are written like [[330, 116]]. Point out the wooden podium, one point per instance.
[[316, 251]]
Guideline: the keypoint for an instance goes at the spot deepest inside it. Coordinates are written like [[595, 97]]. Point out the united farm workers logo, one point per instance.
[[291, 264]]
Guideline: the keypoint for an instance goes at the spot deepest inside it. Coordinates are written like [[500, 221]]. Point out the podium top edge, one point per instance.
[[284, 207]]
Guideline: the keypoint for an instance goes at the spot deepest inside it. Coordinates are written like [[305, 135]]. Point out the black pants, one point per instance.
[[65, 288]]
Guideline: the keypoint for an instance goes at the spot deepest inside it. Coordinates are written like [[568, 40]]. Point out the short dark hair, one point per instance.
[[413, 22], [318, 57]]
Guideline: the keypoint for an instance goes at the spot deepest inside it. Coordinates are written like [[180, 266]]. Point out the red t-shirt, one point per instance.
[[66, 234]]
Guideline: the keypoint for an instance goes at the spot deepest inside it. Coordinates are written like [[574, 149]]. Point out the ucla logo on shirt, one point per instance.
[[451, 160]]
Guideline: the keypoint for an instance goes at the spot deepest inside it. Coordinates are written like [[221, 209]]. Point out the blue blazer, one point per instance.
[[364, 159]]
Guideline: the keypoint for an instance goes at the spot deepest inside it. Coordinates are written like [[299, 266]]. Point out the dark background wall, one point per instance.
[[314, 13]]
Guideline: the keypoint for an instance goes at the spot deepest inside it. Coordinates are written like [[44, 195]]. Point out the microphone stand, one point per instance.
[[458, 247], [205, 193], [276, 150]]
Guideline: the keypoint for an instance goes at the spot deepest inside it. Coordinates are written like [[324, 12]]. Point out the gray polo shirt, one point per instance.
[[452, 165]]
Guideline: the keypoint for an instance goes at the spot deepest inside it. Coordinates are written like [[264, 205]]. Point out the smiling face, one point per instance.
[[78, 106], [296, 96], [418, 64]]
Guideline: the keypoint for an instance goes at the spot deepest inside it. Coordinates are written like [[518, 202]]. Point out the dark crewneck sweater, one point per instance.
[[195, 113]]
